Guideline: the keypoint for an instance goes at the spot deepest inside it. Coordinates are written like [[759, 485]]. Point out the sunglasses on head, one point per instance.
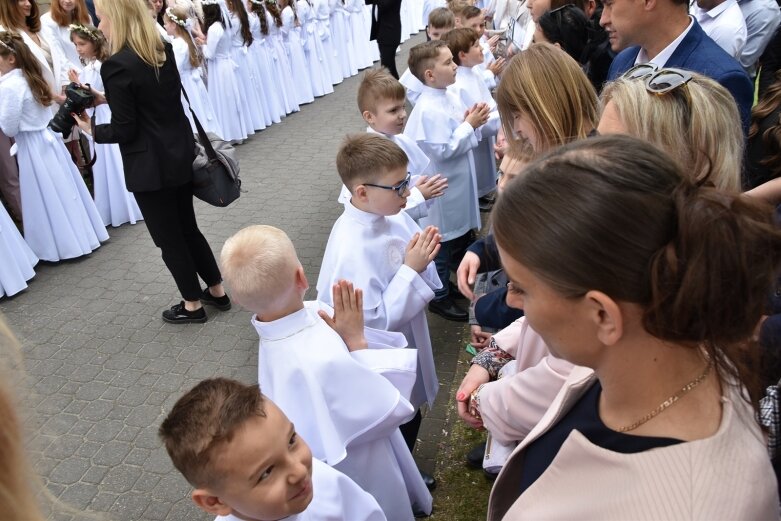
[[657, 80]]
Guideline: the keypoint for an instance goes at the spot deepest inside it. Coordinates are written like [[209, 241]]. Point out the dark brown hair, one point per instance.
[[78, 15], [422, 57], [237, 7], [366, 157], [581, 4], [94, 35], [205, 417], [275, 13], [697, 259], [28, 64], [377, 85], [12, 18], [460, 40], [771, 138], [256, 6]]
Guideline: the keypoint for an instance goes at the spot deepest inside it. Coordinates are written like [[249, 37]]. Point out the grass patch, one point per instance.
[[462, 492]]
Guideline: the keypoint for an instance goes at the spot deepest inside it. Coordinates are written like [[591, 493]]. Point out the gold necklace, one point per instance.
[[669, 401]]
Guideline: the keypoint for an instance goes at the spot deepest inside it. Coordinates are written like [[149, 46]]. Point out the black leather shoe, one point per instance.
[[178, 314], [222, 303], [419, 513], [429, 480], [455, 293], [490, 476], [474, 458], [448, 309]]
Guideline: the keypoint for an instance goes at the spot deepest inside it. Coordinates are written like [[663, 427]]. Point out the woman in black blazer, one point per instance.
[[148, 122]]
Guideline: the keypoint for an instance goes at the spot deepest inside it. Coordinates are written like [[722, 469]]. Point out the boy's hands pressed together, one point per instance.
[[348, 315], [477, 116], [493, 41], [422, 249], [497, 67], [433, 186]]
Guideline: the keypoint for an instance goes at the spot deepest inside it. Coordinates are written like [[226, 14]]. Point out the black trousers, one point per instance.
[[170, 219], [388, 57]]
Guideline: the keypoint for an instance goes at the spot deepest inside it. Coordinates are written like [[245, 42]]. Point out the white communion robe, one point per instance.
[[335, 497], [417, 206], [437, 125], [346, 406], [368, 250], [471, 89], [413, 85]]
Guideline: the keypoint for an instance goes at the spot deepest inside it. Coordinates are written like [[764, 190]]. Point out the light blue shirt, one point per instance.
[[762, 19]]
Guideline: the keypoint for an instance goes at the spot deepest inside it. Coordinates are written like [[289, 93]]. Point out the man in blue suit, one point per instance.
[[662, 32]]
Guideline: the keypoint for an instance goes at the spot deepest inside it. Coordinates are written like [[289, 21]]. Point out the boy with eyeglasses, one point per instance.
[[384, 252], [345, 387]]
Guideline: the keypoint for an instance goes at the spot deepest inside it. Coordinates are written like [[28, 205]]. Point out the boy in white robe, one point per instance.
[[464, 44], [440, 21], [347, 401], [438, 125], [490, 68], [246, 461], [381, 102], [379, 247]]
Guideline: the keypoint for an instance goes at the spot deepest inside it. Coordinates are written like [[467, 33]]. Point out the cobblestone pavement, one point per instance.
[[103, 367]]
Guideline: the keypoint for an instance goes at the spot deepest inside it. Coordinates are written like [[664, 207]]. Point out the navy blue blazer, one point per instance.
[[699, 53]]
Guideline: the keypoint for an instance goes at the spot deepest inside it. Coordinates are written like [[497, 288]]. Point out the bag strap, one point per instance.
[[203, 139]]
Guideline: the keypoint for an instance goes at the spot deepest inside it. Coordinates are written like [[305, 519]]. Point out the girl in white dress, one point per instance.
[[250, 88], [61, 15], [262, 52], [313, 48], [283, 70], [115, 204], [189, 60], [17, 260], [295, 49], [342, 35], [360, 36], [60, 218], [224, 91], [322, 14]]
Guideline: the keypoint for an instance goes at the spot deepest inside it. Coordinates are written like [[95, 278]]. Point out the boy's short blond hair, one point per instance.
[[441, 18], [376, 85], [460, 40], [259, 263], [456, 7], [423, 56], [204, 419], [363, 158]]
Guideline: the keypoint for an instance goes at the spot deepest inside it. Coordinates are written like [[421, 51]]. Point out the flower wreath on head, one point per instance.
[[6, 46], [92, 34], [271, 2], [175, 19], [210, 2]]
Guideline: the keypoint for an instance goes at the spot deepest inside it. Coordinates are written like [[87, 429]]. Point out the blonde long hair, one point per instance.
[[697, 124], [131, 26], [548, 86]]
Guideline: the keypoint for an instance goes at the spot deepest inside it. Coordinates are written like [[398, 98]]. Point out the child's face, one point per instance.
[[477, 23], [509, 169], [385, 201], [84, 48], [169, 26], [388, 117], [7, 63], [474, 56], [267, 469], [435, 33], [443, 73]]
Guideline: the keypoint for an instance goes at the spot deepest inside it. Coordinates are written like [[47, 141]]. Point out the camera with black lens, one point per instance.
[[77, 98]]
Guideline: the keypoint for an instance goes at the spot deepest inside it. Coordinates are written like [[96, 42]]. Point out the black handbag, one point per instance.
[[215, 168]]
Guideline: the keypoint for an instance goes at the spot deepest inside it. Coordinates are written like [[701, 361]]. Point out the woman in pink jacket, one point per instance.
[[651, 286]]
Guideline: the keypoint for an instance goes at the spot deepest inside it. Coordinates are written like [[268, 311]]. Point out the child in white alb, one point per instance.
[[60, 217], [464, 44], [347, 401], [381, 102], [382, 250], [313, 48], [491, 67], [291, 36], [246, 460], [440, 21], [260, 56], [438, 125]]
